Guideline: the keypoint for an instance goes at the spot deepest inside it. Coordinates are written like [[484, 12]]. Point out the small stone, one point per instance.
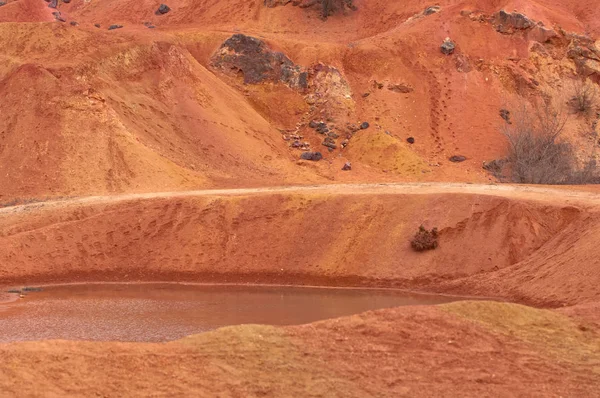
[[401, 88], [364, 125], [448, 46], [66, 1], [97, 25], [73, 23], [330, 143], [163, 9], [113, 27], [322, 128], [347, 166], [313, 124], [410, 140], [365, 95], [457, 158], [505, 114], [53, 3], [432, 10], [353, 128], [2, 3], [314, 156]]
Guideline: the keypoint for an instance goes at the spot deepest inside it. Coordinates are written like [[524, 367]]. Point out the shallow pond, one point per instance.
[[163, 312]]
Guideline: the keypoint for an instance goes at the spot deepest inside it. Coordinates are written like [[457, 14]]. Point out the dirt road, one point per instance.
[[502, 190]]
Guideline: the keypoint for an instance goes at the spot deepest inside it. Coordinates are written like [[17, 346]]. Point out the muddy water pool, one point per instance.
[[164, 312]]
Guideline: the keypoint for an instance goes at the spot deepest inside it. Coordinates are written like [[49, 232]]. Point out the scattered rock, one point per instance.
[[401, 88], [505, 114], [448, 46], [329, 143], [113, 27], [432, 10], [365, 95], [2, 3], [457, 159], [410, 140], [66, 1], [163, 9], [58, 16], [322, 128], [352, 128], [347, 166], [313, 124], [53, 3], [314, 156], [300, 145], [73, 23], [364, 125], [377, 84], [97, 25], [344, 143]]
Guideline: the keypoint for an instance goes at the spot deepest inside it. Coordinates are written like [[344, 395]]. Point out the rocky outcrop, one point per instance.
[[510, 23], [585, 53], [324, 87], [327, 7], [257, 63]]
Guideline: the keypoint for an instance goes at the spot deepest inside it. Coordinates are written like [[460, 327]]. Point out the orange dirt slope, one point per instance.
[[138, 109], [493, 349], [128, 155]]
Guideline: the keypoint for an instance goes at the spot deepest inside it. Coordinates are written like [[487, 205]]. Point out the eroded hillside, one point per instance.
[[154, 105]]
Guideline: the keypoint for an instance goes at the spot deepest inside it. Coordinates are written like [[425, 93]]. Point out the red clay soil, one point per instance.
[[468, 349], [512, 243], [142, 110], [88, 111]]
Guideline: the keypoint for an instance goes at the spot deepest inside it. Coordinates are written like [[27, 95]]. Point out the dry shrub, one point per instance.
[[425, 240], [537, 154], [584, 98]]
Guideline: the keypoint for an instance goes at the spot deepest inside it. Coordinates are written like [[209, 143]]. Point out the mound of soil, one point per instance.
[[492, 348]]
